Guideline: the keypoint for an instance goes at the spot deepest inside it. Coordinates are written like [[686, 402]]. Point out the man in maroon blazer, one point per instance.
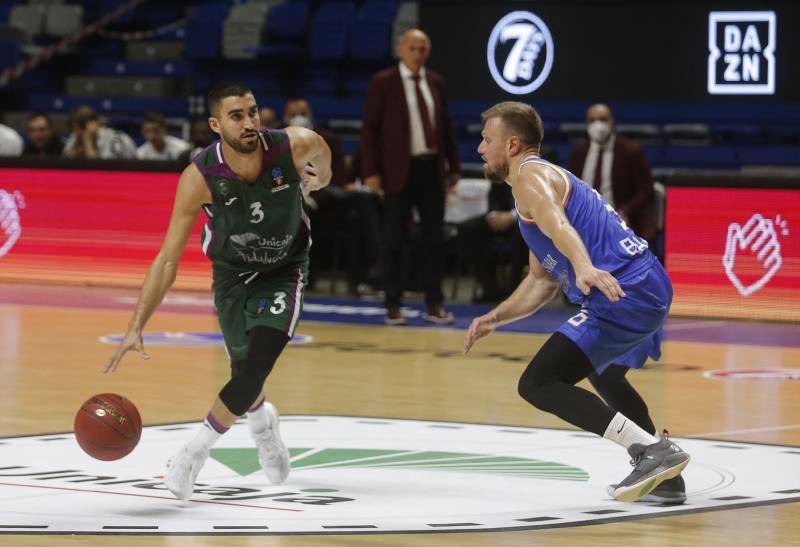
[[408, 150], [618, 170]]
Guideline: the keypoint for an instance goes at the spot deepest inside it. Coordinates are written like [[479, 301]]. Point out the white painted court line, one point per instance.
[[739, 431]]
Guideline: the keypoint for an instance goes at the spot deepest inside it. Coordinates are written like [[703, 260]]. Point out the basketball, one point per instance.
[[108, 426]]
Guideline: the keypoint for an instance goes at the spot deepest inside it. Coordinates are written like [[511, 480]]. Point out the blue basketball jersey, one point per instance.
[[611, 244]]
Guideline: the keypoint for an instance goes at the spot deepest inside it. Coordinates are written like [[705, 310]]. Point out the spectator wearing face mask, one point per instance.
[[298, 112], [618, 170], [330, 207]]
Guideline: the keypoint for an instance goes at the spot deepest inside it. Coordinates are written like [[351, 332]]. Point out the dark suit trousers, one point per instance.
[[423, 189]]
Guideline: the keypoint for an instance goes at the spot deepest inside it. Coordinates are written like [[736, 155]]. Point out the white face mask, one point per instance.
[[300, 120], [599, 130]]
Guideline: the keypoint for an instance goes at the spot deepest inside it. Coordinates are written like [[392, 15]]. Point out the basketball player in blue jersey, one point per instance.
[[580, 245]]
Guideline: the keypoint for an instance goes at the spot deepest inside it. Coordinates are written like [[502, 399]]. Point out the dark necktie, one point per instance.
[[422, 106], [598, 169]]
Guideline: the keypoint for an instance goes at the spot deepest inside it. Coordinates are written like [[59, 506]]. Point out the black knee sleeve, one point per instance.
[[266, 344]]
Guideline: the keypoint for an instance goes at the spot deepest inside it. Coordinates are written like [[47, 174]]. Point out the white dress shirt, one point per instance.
[[173, 147], [418, 146], [11, 143], [595, 149]]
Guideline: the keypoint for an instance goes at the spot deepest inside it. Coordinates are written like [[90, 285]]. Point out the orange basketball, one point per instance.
[[108, 426]]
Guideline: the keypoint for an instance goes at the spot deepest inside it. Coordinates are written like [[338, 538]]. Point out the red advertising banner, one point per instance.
[[734, 252], [90, 227]]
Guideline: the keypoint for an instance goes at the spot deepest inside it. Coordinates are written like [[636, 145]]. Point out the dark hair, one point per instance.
[[82, 115], [221, 91], [33, 115], [154, 116], [519, 119]]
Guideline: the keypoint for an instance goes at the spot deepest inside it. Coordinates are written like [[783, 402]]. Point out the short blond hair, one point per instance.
[[519, 119]]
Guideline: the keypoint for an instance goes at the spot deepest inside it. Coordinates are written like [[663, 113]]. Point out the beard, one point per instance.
[[498, 173], [241, 147]]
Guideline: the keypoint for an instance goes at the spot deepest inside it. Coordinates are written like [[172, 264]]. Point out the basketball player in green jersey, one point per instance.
[[249, 184]]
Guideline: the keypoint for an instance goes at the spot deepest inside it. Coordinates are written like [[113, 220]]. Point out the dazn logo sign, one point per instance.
[[741, 59]]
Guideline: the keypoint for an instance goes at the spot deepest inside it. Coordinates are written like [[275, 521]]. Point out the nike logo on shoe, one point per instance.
[[623, 425]]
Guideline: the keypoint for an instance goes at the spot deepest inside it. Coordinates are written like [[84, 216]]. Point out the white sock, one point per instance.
[[258, 419], [205, 438], [625, 432]]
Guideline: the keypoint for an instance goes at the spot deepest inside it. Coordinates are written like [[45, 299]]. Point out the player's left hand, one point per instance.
[[604, 281], [310, 179]]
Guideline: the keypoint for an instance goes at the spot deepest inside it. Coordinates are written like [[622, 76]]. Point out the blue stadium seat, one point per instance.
[[315, 81], [10, 53], [176, 106], [203, 30], [770, 155], [700, 157], [108, 67], [374, 23], [732, 133], [287, 22], [327, 107], [330, 29]]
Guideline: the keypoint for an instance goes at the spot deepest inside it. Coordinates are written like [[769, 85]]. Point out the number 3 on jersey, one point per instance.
[[280, 303], [256, 214]]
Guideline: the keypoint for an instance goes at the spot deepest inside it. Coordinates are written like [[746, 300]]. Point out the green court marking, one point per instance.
[[244, 461]]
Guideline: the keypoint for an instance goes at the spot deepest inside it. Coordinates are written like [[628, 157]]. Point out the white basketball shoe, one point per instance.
[[272, 453], [182, 470]]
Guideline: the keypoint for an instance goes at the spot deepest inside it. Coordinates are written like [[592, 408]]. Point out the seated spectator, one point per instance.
[[269, 120], [158, 144], [339, 208], [42, 140], [618, 170], [476, 235], [494, 239], [364, 230], [200, 136], [11, 143], [91, 140]]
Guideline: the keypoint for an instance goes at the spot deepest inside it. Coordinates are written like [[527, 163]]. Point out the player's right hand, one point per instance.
[[132, 341], [604, 281], [480, 327]]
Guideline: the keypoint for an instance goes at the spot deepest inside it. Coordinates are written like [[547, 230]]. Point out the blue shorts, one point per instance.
[[628, 331]]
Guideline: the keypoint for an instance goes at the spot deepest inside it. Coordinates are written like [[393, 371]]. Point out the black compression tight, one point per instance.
[[549, 384], [620, 395], [247, 381]]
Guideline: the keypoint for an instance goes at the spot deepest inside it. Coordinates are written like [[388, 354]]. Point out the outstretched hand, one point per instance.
[[132, 341], [604, 281], [480, 327]]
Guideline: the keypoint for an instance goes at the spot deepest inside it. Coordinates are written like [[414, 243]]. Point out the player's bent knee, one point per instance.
[[239, 394], [536, 393]]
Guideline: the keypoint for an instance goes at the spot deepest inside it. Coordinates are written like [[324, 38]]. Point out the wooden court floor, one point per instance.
[[50, 360]]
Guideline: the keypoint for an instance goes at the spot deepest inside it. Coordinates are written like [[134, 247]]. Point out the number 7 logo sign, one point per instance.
[[758, 237]]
